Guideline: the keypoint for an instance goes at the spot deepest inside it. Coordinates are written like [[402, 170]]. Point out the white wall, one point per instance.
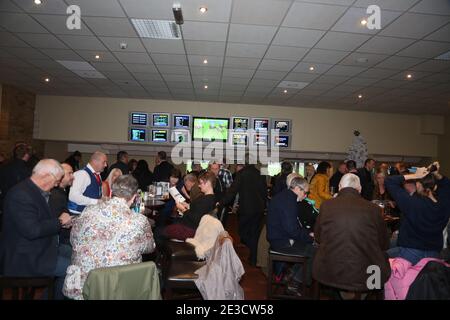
[[105, 120]]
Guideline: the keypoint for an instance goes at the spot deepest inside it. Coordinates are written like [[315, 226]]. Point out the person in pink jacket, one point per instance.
[[403, 274]]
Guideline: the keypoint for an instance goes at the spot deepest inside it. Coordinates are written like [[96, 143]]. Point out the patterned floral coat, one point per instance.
[[105, 235]]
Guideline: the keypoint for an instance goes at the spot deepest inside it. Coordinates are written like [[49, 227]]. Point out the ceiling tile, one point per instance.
[[82, 42], [148, 9], [205, 71], [425, 49], [432, 7], [99, 8], [56, 24], [372, 59], [244, 63], [331, 79], [9, 6], [112, 27], [443, 34], [271, 75], [167, 69], [106, 66], [236, 81], [105, 56], [176, 77], [262, 12], [325, 56], [145, 76], [170, 59], [20, 22], [297, 37], [351, 21], [433, 66], [237, 73], [113, 44], [388, 83], [345, 70], [26, 53], [318, 67], [118, 75], [360, 81], [277, 65], [305, 15], [133, 57], [384, 45], [164, 46], [414, 25], [210, 48], [139, 67], [213, 61], [42, 40], [400, 5], [61, 54], [205, 31], [251, 34], [218, 11], [399, 63], [286, 53], [301, 76], [377, 73], [246, 50], [7, 39], [46, 7], [415, 75], [341, 41]]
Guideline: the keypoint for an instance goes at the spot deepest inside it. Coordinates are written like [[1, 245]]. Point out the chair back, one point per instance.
[[138, 281]]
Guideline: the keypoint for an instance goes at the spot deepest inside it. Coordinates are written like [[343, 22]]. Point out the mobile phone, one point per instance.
[[432, 168], [412, 169]]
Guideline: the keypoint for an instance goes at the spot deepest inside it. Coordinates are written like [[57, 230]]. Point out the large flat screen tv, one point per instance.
[[210, 129], [181, 121]]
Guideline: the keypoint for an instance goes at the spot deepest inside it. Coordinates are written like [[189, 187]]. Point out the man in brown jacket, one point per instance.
[[352, 236]]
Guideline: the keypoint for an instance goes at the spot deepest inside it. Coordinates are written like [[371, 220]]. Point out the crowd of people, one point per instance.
[[65, 219]]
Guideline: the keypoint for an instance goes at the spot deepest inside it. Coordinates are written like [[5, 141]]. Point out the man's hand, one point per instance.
[[65, 219], [182, 206], [436, 173], [421, 172]]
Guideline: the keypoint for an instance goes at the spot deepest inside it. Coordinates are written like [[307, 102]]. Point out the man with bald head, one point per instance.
[[87, 185], [29, 241]]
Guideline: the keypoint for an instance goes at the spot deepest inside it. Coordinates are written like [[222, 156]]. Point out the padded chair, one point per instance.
[[24, 288], [277, 289], [139, 281], [181, 278]]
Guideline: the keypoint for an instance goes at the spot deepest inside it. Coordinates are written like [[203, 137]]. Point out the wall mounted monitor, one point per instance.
[[137, 134], [261, 124], [181, 121], [240, 123], [284, 126], [160, 135], [239, 139], [210, 129], [260, 139], [139, 119], [160, 120], [178, 136], [281, 141]]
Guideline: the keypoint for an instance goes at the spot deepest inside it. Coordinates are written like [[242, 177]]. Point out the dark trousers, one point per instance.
[[303, 249], [249, 230]]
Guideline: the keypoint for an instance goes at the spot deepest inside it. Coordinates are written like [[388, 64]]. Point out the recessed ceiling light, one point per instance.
[[47, 79], [38, 2], [359, 96], [97, 56], [311, 68], [205, 86], [285, 91], [205, 61], [409, 76], [362, 60], [203, 9], [363, 22]]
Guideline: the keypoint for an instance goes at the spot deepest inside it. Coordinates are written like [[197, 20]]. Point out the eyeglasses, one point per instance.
[[57, 181]]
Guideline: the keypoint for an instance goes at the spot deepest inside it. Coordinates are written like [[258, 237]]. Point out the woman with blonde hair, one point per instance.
[[106, 185]]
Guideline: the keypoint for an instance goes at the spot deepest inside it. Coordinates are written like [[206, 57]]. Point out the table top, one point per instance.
[[154, 203]]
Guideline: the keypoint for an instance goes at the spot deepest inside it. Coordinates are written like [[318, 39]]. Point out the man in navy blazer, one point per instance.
[[29, 242]]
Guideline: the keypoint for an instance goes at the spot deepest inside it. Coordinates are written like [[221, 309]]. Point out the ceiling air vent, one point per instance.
[[157, 29], [82, 68], [444, 56]]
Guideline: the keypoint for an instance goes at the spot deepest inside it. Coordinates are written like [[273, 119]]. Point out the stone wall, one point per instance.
[[17, 119]]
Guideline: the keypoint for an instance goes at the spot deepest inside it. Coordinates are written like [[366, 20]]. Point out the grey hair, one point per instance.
[[97, 155], [190, 177], [350, 180], [48, 166], [290, 177], [298, 182], [125, 187]]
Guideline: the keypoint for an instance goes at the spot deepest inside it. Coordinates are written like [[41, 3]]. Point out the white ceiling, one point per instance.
[[251, 46]]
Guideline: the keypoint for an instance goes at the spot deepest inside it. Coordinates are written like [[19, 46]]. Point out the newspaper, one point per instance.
[[176, 195]]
